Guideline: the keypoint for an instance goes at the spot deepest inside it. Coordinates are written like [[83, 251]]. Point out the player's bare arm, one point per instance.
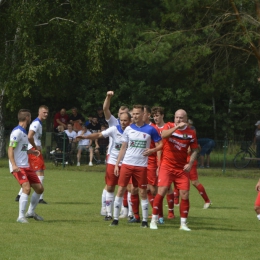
[[11, 158], [120, 158], [158, 147], [193, 157], [31, 139], [106, 105], [34, 152], [91, 136], [167, 133]]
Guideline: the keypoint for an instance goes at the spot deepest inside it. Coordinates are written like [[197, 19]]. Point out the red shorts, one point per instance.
[[138, 174], [193, 173], [257, 201], [36, 162], [26, 175], [111, 179], [169, 175], [152, 178]]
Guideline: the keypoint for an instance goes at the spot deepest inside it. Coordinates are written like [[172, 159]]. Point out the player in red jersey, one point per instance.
[[194, 179], [257, 202], [174, 167], [160, 125]]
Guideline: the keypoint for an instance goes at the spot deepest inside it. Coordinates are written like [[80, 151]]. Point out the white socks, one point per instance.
[[34, 201], [109, 202], [130, 210], [183, 221], [144, 205], [103, 198], [258, 216], [22, 204], [117, 206]]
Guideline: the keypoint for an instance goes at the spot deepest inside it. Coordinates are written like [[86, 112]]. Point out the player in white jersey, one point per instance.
[[112, 121], [19, 167], [135, 151], [34, 137], [115, 132]]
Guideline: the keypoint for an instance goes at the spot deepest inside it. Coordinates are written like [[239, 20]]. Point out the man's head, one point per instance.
[[122, 109], [63, 111], [158, 115], [24, 115], [100, 111], [84, 128], [147, 114], [103, 127], [138, 114], [180, 117], [70, 126], [94, 120], [257, 124], [43, 112], [125, 120], [74, 111]]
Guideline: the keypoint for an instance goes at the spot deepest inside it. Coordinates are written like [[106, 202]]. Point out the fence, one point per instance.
[[222, 155]]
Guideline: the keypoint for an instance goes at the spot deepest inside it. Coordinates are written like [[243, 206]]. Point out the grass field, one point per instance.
[[73, 228]]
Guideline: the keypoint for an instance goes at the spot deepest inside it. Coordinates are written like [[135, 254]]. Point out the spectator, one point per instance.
[[100, 116], [60, 119], [76, 119], [94, 127], [84, 144], [88, 121], [206, 145], [72, 136], [102, 144], [257, 141]]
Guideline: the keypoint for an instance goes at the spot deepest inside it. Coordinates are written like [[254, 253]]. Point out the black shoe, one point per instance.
[[134, 220], [114, 223], [17, 198], [107, 218], [42, 201], [144, 224]]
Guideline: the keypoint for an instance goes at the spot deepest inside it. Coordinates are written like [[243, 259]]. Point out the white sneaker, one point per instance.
[[206, 205], [103, 211], [34, 215], [22, 220], [90, 164], [184, 227], [153, 225], [78, 164]]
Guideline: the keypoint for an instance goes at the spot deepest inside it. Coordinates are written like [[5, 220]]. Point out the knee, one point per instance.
[[134, 190], [184, 194], [27, 190], [110, 188]]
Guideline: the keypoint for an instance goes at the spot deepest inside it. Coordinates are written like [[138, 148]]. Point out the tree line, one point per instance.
[[202, 56]]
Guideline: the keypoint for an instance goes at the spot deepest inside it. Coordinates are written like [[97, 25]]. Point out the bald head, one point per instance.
[[180, 117]]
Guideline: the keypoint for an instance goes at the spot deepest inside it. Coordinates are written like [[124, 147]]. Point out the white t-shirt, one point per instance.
[[36, 126], [72, 135], [84, 141], [115, 134], [19, 140], [112, 121], [138, 139]]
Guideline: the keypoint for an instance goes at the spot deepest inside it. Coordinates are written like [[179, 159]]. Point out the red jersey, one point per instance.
[[64, 119], [176, 146]]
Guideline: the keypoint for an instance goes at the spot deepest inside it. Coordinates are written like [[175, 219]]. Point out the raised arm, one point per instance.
[[167, 133], [106, 105]]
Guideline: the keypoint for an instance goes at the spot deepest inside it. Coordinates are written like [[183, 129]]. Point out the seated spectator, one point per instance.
[[94, 127], [206, 145], [72, 136], [100, 116], [76, 119], [88, 121], [102, 145], [60, 119], [84, 145]]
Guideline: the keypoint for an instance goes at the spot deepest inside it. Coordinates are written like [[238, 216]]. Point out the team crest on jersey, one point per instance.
[[24, 147], [132, 143], [144, 135], [185, 136]]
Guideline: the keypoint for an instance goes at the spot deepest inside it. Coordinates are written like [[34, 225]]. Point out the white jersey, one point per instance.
[[84, 141], [72, 135], [36, 127], [138, 139], [115, 133], [19, 140], [112, 121]]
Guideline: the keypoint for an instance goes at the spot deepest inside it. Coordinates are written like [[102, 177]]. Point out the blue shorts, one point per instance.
[[206, 145]]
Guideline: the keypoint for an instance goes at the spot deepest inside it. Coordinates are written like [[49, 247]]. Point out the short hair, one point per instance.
[[123, 107], [139, 107], [70, 124], [43, 106], [22, 114], [148, 109], [128, 115], [156, 110]]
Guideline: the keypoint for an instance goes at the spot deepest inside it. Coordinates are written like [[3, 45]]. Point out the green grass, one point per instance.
[[73, 228]]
